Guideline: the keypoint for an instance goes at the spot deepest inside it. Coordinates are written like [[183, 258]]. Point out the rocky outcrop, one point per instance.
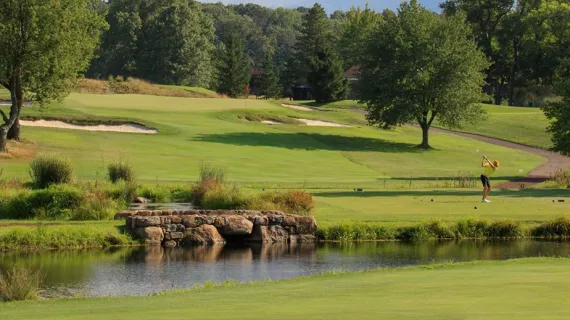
[[198, 227]]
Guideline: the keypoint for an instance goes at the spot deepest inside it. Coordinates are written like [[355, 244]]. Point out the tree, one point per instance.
[[44, 44], [120, 45], [177, 45], [356, 28], [559, 112], [418, 66], [234, 71], [326, 77], [321, 66], [269, 82], [485, 17]]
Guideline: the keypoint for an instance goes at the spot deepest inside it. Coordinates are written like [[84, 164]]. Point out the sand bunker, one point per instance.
[[130, 128], [297, 107], [317, 123], [271, 122]]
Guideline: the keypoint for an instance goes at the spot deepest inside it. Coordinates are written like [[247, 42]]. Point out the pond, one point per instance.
[[143, 271]]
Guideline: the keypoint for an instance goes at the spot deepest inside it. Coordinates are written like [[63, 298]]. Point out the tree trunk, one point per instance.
[[14, 132], [513, 73], [425, 137], [3, 140]]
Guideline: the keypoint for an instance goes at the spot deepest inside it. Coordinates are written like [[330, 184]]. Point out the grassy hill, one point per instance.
[[212, 130]]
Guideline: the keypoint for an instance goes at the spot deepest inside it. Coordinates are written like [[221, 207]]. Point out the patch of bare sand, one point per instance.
[[129, 128], [318, 123], [301, 108]]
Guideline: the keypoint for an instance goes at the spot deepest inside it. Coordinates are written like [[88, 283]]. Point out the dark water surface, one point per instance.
[[142, 271]]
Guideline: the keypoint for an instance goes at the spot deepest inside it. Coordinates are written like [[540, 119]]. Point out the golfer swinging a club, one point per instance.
[[488, 169]]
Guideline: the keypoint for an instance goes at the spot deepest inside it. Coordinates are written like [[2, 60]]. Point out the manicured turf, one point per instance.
[[517, 289], [523, 125], [195, 130], [405, 207], [203, 91]]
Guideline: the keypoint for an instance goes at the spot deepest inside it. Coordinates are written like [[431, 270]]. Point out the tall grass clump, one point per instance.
[[120, 170], [427, 230], [557, 228], [289, 201], [96, 205], [226, 197], [355, 231], [20, 284], [506, 228], [46, 170], [471, 228], [561, 179], [211, 180]]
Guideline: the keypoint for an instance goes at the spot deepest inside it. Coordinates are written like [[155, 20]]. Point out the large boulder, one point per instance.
[[151, 235], [147, 221], [236, 226], [269, 234], [305, 225], [204, 234]]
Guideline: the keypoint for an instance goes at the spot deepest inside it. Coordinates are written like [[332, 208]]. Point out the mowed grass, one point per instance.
[[195, 130], [410, 207], [523, 125], [533, 288], [206, 92]]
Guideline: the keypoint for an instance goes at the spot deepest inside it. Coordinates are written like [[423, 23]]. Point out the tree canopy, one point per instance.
[[44, 45], [419, 66]]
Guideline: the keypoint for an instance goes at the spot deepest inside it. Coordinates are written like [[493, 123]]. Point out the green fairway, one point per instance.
[[523, 125], [516, 289], [403, 207], [195, 130]]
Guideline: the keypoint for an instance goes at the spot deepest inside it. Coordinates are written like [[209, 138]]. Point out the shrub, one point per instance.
[[156, 194], [181, 194], [55, 202], [96, 206], [557, 228], [471, 228], [120, 170], [224, 197], [290, 201], [122, 191], [20, 284], [505, 229], [47, 170], [211, 173], [561, 179]]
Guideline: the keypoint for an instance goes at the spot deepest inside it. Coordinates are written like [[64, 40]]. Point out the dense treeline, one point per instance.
[[415, 65]]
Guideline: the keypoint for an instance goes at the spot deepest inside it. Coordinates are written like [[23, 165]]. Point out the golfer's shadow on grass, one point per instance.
[[308, 141]]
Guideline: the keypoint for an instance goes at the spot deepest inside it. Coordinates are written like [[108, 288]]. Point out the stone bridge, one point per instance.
[[171, 228]]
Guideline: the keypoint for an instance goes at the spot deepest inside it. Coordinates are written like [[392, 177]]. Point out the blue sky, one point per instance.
[[331, 5]]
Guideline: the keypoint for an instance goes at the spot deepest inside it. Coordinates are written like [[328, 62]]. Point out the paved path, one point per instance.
[[537, 175]]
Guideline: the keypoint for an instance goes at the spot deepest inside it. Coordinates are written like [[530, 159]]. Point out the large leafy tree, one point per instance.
[[356, 27], [322, 66], [419, 66], [485, 18], [44, 44]]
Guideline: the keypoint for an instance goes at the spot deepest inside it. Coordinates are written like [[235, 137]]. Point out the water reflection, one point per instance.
[[141, 271]]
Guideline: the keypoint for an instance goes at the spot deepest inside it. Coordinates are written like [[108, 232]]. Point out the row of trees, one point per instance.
[[226, 48], [415, 65]]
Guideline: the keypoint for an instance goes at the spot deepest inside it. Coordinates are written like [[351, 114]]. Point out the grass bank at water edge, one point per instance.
[[529, 289]]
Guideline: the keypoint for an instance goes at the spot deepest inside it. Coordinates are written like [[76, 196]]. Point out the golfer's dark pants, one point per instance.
[[485, 181]]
